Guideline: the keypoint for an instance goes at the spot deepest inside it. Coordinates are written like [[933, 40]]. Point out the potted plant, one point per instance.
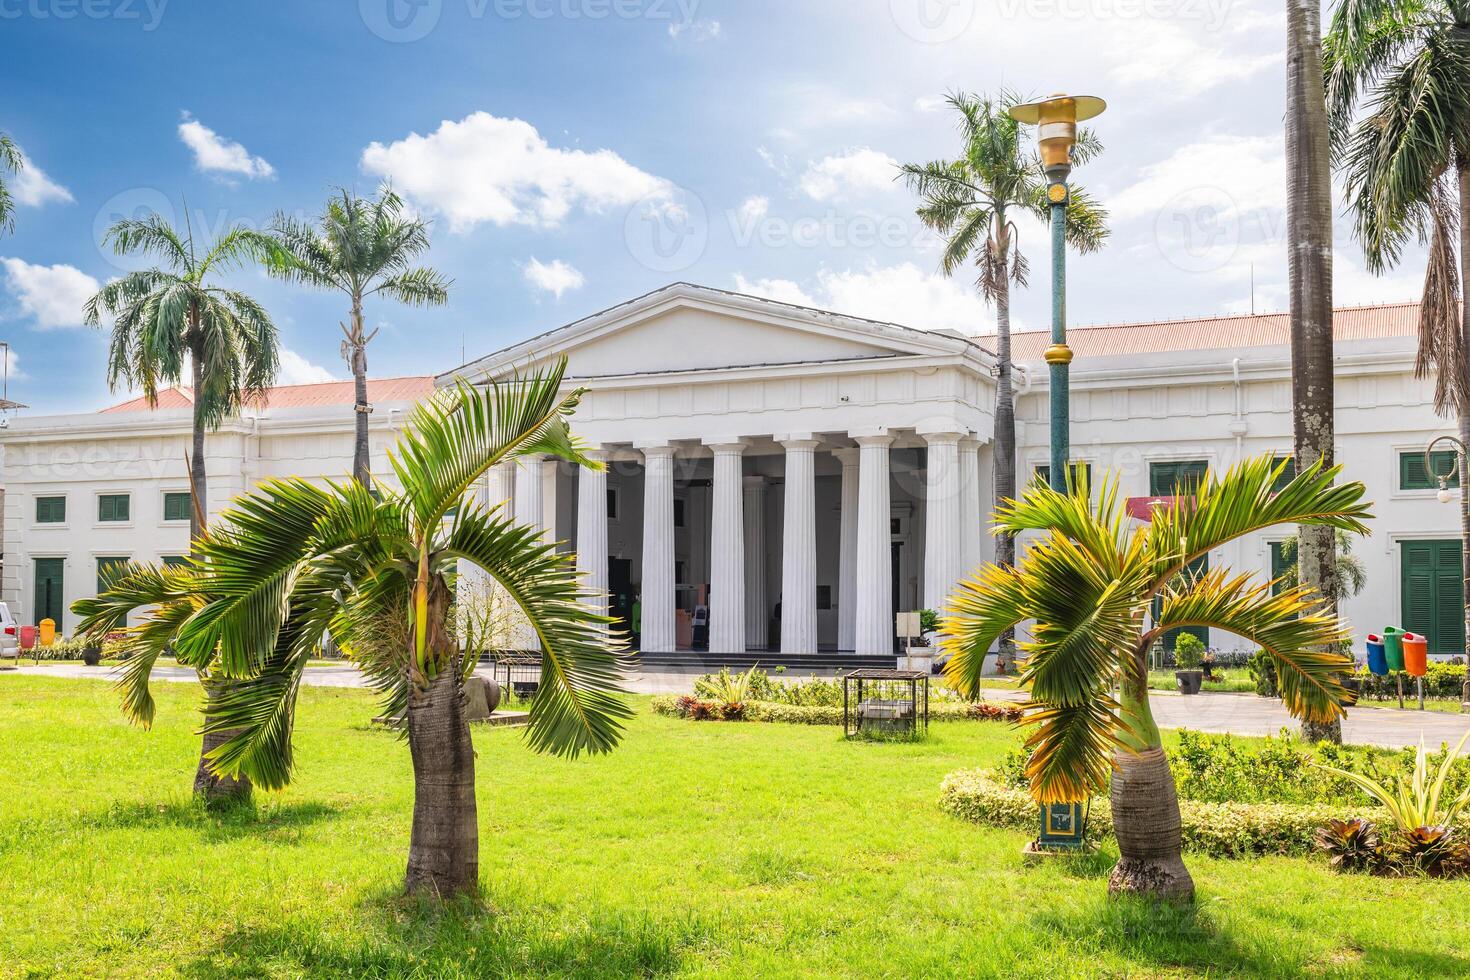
[[91, 654], [1189, 653]]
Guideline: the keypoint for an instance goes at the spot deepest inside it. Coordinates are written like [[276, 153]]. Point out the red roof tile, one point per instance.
[[1246, 330], [322, 394]]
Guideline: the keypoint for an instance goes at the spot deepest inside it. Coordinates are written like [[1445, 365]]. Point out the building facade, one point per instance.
[[87, 491], [786, 479]]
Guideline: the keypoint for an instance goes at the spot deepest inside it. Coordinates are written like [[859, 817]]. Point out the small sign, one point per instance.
[[908, 624], [1063, 825]]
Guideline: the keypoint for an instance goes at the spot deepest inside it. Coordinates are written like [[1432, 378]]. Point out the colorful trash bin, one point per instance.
[[1377, 662], [1416, 654], [1393, 647], [48, 632], [27, 637]]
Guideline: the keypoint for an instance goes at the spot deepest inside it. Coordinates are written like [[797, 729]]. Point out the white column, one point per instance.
[[503, 488], [847, 551], [942, 546], [657, 590], [756, 600], [799, 548], [530, 495], [592, 529], [874, 633], [970, 520], [727, 553]]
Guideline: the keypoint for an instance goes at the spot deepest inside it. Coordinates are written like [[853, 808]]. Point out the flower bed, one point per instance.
[[704, 709]]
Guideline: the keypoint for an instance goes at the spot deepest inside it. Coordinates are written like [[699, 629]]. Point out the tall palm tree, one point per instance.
[[294, 562], [972, 201], [1406, 166], [170, 319], [1088, 584], [1309, 265], [361, 247], [11, 160]]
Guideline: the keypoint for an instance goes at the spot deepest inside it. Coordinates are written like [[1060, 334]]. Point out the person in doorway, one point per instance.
[[701, 621]]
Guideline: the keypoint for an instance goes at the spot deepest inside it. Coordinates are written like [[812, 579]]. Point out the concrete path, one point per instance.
[[1240, 714]]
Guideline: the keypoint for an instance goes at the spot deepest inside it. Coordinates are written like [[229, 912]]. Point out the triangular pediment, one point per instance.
[[686, 328]]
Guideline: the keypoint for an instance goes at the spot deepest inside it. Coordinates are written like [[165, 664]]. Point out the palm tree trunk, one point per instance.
[[1462, 167], [1309, 223], [444, 847], [1145, 805], [210, 786], [1005, 435], [198, 478], [361, 461]]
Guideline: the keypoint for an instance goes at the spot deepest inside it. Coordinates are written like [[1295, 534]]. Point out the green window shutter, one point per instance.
[[174, 561], [1449, 600], [1191, 571], [1413, 475], [50, 510], [1043, 472], [107, 570], [1177, 477], [1287, 475], [176, 507], [49, 590], [1278, 564], [114, 507]]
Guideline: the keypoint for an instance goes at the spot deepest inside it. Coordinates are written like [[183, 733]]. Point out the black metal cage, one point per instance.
[[519, 674], [885, 703]]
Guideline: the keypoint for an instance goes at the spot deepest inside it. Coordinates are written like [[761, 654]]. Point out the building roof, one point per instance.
[[319, 395], [1213, 333]]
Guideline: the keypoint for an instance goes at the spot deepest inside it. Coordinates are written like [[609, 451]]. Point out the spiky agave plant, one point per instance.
[[294, 562], [1088, 583]]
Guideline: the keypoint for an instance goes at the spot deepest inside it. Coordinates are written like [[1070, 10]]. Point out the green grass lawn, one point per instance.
[[695, 849], [1235, 679]]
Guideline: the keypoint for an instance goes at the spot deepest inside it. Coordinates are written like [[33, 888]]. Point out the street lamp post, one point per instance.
[[1056, 120], [1448, 496]]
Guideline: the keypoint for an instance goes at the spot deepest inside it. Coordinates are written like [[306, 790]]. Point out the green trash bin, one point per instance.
[[1393, 647]]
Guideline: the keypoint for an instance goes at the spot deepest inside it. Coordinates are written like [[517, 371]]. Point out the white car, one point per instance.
[[9, 634]]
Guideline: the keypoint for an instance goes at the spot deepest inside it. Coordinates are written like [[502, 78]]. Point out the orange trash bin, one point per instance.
[[1416, 654]]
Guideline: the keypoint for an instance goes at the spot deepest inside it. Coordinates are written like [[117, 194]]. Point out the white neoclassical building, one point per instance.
[[802, 474]]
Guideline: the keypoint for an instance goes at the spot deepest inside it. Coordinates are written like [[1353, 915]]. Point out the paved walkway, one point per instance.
[[1240, 714]]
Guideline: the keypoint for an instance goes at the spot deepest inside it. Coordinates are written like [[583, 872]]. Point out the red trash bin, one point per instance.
[[27, 637]]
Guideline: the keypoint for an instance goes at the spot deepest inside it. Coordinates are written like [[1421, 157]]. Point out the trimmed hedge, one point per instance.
[[684, 706], [1216, 829]]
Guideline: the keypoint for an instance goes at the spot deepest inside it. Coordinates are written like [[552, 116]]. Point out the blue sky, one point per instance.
[[575, 153]]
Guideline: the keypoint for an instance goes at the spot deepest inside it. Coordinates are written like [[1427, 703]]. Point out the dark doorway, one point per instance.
[[895, 553], [620, 592], [49, 591]]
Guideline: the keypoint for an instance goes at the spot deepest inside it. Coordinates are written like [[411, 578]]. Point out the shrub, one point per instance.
[[684, 706], [1442, 679], [1263, 671], [1189, 651], [1218, 829], [1351, 845]]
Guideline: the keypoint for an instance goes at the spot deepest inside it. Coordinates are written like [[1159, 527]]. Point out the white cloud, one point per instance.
[[12, 361], [485, 168], [695, 30], [901, 293], [51, 294], [1176, 62], [929, 103], [857, 169], [215, 154], [33, 188], [1232, 177], [297, 370], [753, 209], [554, 277]]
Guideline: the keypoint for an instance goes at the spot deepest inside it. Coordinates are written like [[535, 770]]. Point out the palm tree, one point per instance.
[[1349, 577], [12, 160], [1088, 583], [1309, 264], [972, 201], [168, 320], [362, 248], [295, 562], [1406, 167]]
